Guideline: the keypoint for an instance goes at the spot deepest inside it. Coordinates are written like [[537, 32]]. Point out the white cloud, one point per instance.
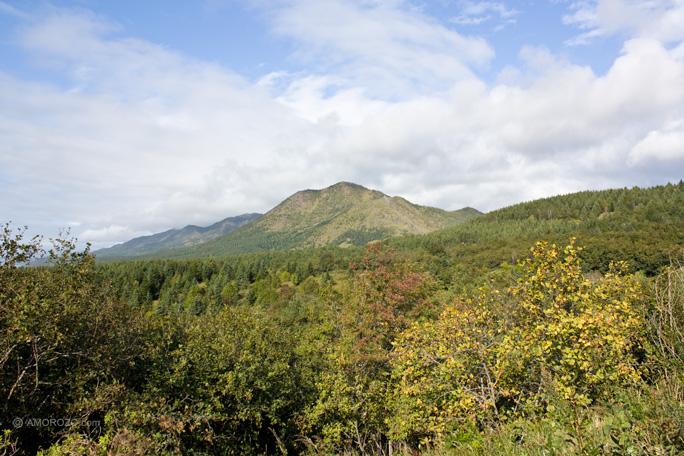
[[150, 125], [476, 13], [8, 9], [659, 19], [314, 98], [105, 237], [389, 50], [666, 144], [140, 138]]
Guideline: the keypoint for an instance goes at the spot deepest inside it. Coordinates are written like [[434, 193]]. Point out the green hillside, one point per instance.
[[174, 238], [644, 226], [342, 215]]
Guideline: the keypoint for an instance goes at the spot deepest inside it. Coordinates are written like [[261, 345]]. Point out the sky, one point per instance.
[[125, 118]]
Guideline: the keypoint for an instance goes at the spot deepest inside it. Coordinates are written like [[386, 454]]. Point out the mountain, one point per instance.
[[174, 239], [344, 214]]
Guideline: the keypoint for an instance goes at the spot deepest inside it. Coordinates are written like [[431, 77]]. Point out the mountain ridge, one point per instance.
[[343, 214], [175, 238]]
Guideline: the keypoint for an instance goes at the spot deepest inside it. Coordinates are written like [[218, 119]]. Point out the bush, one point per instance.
[[553, 336]]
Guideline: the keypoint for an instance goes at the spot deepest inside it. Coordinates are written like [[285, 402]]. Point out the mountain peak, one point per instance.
[[340, 187], [347, 186], [343, 214]]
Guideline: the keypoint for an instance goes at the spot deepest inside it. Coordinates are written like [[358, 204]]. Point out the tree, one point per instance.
[[381, 300], [66, 346], [553, 335]]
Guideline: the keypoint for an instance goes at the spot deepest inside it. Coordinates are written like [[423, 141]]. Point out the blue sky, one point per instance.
[[124, 118]]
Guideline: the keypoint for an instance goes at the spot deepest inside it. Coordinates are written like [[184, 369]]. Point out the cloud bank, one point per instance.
[[130, 137]]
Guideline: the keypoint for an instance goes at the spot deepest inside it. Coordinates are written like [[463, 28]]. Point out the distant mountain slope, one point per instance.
[[341, 215], [174, 238], [644, 226]]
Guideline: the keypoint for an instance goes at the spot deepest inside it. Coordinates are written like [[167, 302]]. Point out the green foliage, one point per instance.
[[611, 224], [227, 384], [666, 319], [66, 346], [584, 333], [382, 299], [554, 334]]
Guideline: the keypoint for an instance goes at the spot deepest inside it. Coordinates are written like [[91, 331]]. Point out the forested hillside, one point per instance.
[[549, 327], [644, 226], [342, 215]]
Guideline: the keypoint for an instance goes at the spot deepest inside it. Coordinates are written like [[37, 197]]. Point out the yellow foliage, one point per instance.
[[553, 333]]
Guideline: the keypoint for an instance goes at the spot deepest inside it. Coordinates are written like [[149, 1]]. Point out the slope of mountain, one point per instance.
[[643, 226], [344, 214], [174, 238]]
